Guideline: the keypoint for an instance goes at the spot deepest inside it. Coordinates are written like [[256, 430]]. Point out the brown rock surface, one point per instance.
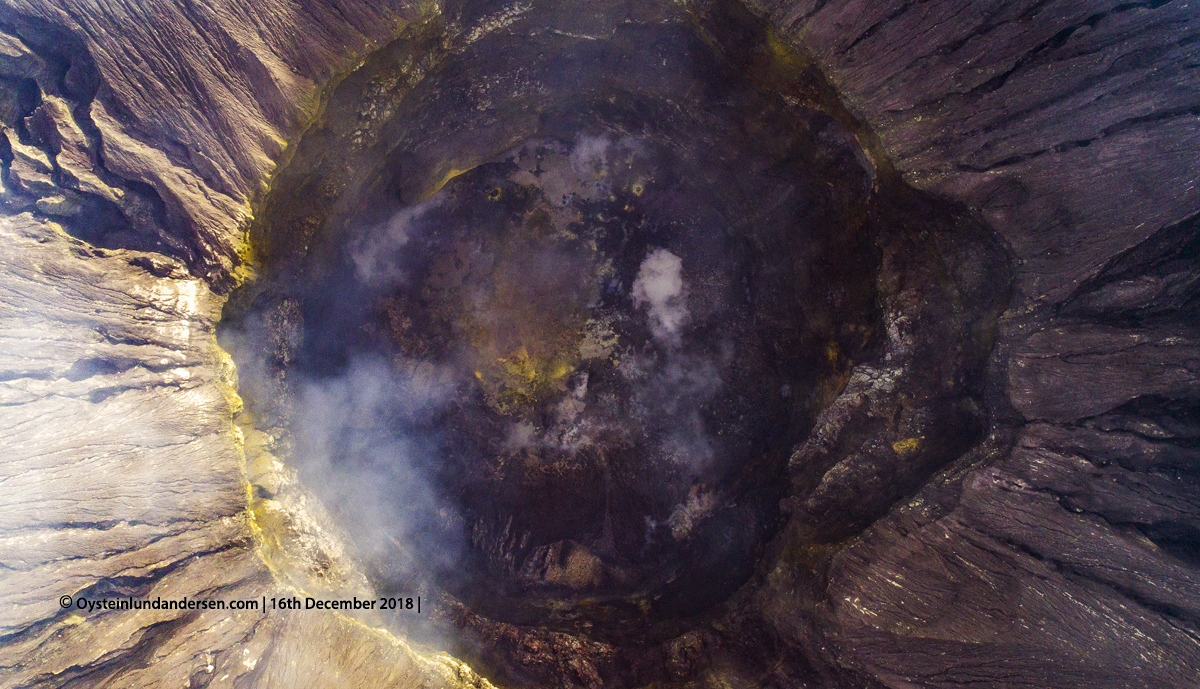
[[1062, 551]]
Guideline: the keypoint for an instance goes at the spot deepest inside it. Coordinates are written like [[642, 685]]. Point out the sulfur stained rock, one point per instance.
[[123, 478], [194, 102]]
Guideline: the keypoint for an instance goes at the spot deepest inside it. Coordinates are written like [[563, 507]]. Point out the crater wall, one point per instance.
[[1061, 551]]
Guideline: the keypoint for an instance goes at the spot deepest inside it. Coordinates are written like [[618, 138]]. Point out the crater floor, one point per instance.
[[552, 342], [777, 343]]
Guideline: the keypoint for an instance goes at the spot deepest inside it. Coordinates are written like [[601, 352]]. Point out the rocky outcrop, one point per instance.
[[1069, 125], [125, 478], [1061, 551], [123, 473], [175, 113]]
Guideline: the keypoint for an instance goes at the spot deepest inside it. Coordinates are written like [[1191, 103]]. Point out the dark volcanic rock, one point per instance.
[[1071, 127], [957, 515]]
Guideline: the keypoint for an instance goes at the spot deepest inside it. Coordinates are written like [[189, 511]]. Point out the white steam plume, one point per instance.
[[659, 286], [375, 253]]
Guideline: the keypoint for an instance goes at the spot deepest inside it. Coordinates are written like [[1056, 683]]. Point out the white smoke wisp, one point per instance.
[[351, 449], [590, 154], [376, 253], [687, 383], [659, 287]]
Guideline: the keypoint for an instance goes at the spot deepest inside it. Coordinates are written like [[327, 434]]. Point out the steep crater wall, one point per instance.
[[1060, 551]]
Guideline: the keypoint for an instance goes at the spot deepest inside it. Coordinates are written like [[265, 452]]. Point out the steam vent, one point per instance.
[[607, 344]]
